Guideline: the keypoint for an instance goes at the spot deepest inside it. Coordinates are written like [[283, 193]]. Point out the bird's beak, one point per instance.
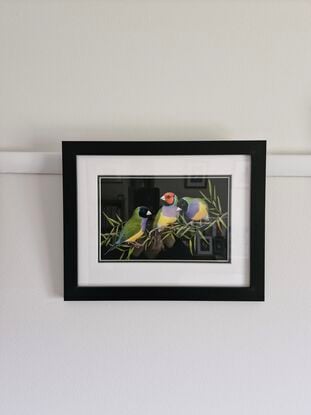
[[179, 209], [149, 213], [162, 198]]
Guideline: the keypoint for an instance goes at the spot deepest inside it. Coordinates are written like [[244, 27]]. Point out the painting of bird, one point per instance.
[[195, 209], [134, 228], [158, 218], [168, 213]]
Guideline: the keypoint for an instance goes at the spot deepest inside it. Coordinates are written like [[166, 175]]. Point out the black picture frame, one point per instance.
[[254, 292]]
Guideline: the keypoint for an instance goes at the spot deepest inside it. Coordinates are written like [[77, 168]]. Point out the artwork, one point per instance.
[[161, 221]]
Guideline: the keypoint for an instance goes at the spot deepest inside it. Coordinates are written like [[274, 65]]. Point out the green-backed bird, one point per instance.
[[168, 213], [195, 209], [134, 228]]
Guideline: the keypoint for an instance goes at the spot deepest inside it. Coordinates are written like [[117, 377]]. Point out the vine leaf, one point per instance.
[[111, 221], [191, 246]]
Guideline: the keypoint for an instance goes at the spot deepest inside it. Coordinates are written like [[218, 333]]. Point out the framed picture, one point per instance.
[[164, 220]]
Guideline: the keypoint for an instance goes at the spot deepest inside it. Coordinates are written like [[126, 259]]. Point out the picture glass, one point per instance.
[[164, 218]]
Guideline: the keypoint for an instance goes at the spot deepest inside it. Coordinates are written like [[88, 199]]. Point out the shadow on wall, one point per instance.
[[51, 208]]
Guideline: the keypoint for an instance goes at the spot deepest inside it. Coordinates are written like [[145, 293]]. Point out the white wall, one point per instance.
[[155, 69], [142, 70]]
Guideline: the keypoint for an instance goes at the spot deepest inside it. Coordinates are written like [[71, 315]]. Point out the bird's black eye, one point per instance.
[[143, 212]]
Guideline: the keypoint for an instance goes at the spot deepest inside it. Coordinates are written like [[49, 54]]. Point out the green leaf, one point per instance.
[[146, 240], [223, 223], [166, 236], [123, 255], [119, 219], [202, 236], [219, 204], [180, 230], [110, 220], [149, 243], [203, 195], [184, 233], [219, 224], [191, 246], [182, 219], [118, 248], [108, 242], [104, 237], [131, 250], [210, 188], [210, 225]]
